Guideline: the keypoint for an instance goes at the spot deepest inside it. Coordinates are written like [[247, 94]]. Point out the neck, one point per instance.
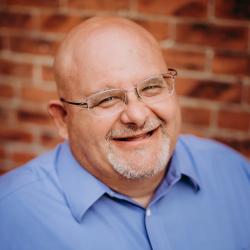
[[140, 191]]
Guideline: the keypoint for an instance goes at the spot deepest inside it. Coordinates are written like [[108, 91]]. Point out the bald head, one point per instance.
[[90, 46]]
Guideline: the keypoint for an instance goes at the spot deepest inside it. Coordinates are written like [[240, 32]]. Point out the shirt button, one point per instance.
[[112, 194], [148, 212]]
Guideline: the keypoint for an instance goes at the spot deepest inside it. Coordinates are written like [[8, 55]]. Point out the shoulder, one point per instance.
[[211, 156], [28, 178], [28, 196], [207, 147]]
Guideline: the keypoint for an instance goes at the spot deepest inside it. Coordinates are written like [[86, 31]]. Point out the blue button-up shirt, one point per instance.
[[53, 203]]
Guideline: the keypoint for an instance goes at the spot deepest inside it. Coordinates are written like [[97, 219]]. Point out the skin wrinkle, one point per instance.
[[115, 52], [132, 130]]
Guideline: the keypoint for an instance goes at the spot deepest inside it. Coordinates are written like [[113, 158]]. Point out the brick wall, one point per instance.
[[208, 41]]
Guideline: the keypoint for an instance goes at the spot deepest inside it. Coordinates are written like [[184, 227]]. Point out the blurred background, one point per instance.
[[207, 41]]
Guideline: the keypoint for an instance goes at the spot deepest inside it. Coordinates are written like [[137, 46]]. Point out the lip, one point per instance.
[[136, 139]]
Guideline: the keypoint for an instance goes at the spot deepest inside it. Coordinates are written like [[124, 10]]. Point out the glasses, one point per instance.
[[112, 101]]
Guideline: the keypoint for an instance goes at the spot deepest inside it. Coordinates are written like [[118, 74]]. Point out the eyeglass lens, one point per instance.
[[112, 101]]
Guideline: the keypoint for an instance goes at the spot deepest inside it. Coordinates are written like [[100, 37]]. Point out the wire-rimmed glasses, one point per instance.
[[112, 101]]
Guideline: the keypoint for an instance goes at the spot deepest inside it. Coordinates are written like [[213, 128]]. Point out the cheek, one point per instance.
[[90, 129], [168, 111], [78, 127], [85, 140]]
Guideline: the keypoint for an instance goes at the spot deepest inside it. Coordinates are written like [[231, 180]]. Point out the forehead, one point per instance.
[[115, 58]]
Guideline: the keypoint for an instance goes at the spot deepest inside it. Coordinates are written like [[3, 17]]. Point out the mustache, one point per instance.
[[133, 130]]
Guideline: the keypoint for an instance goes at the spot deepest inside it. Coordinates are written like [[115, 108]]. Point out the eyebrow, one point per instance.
[[107, 86], [102, 90]]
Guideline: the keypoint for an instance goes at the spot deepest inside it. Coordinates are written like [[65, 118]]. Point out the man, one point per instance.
[[123, 179]]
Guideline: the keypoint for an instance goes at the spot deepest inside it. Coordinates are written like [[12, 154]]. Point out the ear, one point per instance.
[[59, 115]]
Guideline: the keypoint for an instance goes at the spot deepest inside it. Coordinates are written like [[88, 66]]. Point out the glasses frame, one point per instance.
[[172, 73]]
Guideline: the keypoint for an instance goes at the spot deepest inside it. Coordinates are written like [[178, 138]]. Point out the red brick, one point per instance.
[[48, 73], [2, 154], [189, 8], [15, 69], [1, 43], [159, 29], [233, 9], [209, 89], [21, 157], [59, 22], [184, 59], [35, 117], [3, 169], [241, 145], [4, 42], [37, 95], [50, 139], [33, 3], [196, 116], [4, 114], [6, 167], [100, 4], [6, 90], [228, 63], [33, 45], [234, 120], [192, 129], [2, 3], [14, 134], [247, 88], [218, 36], [2, 158], [15, 20]]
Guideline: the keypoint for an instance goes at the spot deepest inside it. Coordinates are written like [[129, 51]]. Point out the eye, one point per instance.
[[108, 102], [152, 88]]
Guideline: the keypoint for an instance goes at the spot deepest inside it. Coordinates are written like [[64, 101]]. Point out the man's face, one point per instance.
[[138, 141]]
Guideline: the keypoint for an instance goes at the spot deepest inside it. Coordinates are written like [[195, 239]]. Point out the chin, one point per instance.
[[140, 163]]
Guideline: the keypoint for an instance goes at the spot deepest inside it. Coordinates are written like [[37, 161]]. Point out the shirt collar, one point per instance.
[[81, 189], [183, 165], [180, 168]]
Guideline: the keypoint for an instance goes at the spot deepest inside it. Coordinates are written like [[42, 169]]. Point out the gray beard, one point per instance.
[[140, 169]]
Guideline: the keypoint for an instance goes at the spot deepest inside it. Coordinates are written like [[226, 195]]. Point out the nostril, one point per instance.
[[135, 112]]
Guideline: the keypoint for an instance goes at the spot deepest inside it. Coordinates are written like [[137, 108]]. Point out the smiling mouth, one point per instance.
[[136, 137]]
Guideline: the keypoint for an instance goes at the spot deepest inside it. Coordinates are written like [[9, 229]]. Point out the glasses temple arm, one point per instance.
[[82, 104]]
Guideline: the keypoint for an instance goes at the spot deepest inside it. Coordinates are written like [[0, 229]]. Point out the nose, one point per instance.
[[135, 112]]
